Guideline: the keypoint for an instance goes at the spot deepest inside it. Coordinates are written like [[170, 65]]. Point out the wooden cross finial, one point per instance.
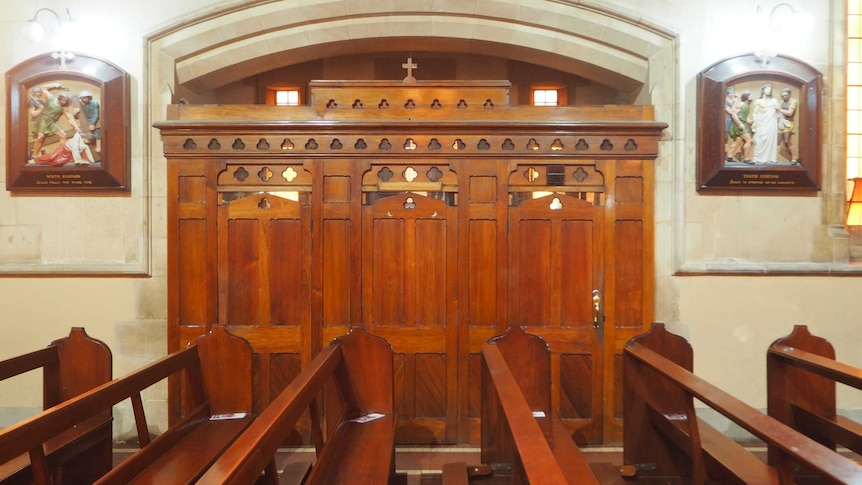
[[409, 65]]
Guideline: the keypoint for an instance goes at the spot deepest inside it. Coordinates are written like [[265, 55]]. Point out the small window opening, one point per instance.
[[545, 97], [283, 95]]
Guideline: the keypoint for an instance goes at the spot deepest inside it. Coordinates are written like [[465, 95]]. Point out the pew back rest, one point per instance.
[[645, 359]]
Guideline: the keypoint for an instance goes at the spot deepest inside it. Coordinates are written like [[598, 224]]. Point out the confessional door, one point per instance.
[[555, 291], [409, 265], [264, 260]]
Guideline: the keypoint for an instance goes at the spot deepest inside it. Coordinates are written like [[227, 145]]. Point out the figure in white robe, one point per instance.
[[765, 117]]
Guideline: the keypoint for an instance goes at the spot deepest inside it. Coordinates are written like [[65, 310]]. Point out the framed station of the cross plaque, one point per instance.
[[67, 126], [758, 127]]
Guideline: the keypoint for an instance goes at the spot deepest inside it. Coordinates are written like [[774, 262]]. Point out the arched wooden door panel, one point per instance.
[[264, 255], [409, 298], [555, 266]]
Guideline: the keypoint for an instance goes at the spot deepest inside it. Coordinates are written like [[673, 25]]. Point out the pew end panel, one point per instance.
[[92, 367], [646, 452], [789, 385], [353, 377], [529, 359], [802, 373], [227, 375], [217, 405], [519, 429], [361, 394], [365, 380], [70, 366]]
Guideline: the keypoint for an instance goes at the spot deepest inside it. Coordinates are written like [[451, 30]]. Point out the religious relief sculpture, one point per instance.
[[54, 114], [68, 127], [758, 129]]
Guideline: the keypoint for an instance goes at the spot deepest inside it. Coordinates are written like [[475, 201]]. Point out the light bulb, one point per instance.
[[34, 31]]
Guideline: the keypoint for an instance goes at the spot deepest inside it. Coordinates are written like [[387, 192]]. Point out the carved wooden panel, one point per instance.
[[435, 225]]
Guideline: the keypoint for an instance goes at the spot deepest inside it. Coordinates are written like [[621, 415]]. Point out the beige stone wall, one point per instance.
[[651, 50]]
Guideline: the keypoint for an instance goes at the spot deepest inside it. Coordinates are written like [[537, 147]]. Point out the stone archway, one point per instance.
[[222, 47]]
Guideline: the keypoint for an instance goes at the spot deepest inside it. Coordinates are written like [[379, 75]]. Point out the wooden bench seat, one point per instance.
[[70, 366], [182, 456], [802, 376], [663, 437], [519, 431], [357, 450], [353, 377], [218, 368]]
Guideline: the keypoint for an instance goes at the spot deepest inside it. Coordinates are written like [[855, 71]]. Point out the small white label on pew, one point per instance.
[[538, 414], [676, 417], [222, 417], [368, 417]]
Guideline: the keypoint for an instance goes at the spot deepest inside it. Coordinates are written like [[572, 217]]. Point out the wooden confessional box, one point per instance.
[[433, 213]]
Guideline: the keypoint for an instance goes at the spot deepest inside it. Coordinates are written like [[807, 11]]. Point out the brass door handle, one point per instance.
[[597, 309]]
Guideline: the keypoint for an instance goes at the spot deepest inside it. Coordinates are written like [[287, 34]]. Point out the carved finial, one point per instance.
[[409, 65]]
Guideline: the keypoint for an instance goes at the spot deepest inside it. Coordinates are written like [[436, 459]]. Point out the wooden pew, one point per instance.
[[218, 368], [70, 366], [661, 440], [518, 428], [802, 373], [354, 376]]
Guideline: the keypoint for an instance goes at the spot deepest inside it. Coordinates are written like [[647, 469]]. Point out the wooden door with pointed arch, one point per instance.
[[264, 256], [409, 269], [555, 265]]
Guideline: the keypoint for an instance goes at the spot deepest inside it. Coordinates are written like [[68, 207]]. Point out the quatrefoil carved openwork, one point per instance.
[[265, 174], [410, 174], [289, 174]]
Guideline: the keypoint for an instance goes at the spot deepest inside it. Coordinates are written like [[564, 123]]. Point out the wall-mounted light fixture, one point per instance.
[[782, 18], [65, 29]]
